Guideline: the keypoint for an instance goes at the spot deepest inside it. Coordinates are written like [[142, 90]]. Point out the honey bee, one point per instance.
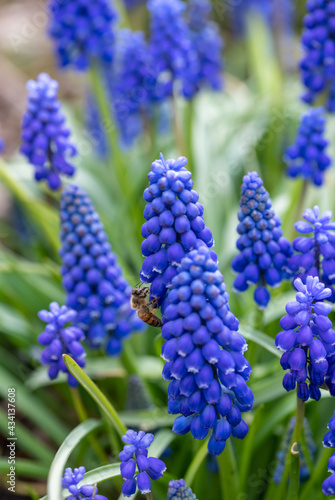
[[145, 310]]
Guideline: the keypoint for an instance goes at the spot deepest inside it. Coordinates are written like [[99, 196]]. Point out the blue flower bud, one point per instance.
[[216, 447]]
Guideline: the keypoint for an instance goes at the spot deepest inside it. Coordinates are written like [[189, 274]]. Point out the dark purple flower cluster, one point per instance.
[[171, 46], [148, 467], [328, 486], [275, 14], [70, 481], [318, 62], [315, 254], [91, 276], [60, 340], [208, 44], [83, 31], [307, 157], [307, 339], [45, 136], [175, 223], [263, 249], [179, 491], [204, 354]]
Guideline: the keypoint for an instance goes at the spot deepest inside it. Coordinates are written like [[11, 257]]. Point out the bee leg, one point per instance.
[[154, 304]]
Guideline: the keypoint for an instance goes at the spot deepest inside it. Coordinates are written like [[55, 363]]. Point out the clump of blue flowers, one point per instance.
[[284, 448], [171, 46], [307, 339], [91, 275], [328, 486], [307, 157], [315, 254], [45, 136], [318, 62], [70, 481], [137, 445], [263, 249], [208, 44], [175, 223], [179, 491], [204, 354], [60, 339], [135, 85], [83, 31]]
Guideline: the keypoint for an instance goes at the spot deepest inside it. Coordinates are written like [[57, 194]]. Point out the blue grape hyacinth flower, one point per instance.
[[179, 491], [307, 157], [91, 276], [60, 339], [318, 62], [170, 44], [263, 249], [83, 31], [307, 339], [328, 486], [134, 86], [137, 445], [45, 136], [315, 253], [70, 481], [174, 223], [208, 44], [204, 354]]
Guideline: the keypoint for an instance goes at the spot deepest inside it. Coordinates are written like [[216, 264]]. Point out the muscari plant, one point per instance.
[[205, 355]]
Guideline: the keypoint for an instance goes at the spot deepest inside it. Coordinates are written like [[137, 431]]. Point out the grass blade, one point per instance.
[[96, 394], [59, 462]]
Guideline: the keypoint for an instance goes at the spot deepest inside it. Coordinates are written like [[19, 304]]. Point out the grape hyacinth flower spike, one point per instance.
[[170, 45], [204, 354], [315, 254], [179, 491], [263, 249], [70, 481], [307, 339], [45, 136], [318, 62], [137, 445], [328, 486], [307, 157], [83, 31], [92, 277], [174, 223], [60, 340], [208, 44]]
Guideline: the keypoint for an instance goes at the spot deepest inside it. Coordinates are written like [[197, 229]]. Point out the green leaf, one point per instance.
[[56, 472], [28, 442], [162, 440], [96, 394], [195, 464], [259, 338], [32, 407], [25, 468]]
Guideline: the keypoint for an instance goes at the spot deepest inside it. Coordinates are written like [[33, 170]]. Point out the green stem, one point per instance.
[[82, 416], [319, 471], [188, 122], [228, 472], [195, 464], [245, 462], [301, 203], [300, 414], [125, 22], [293, 491], [178, 134], [110, 127], [258, 325]]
